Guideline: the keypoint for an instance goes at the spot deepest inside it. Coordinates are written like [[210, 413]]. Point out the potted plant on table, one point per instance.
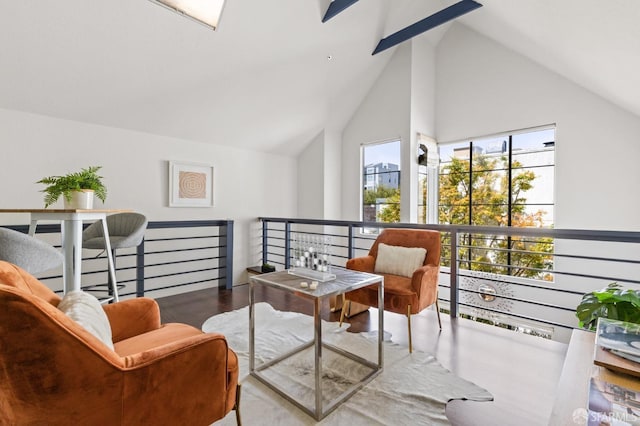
[[78, 189], [612, 302]]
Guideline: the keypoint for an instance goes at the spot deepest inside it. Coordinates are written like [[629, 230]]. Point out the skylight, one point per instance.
[[204, 12]]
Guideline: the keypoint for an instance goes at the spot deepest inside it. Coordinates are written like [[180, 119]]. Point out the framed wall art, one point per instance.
[[190, 184]]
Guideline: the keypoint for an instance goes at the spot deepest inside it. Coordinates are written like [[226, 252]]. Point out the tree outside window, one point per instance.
[[505, 181]]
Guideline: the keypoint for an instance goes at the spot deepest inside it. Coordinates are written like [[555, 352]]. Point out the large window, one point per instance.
[[381, 182], [506, 180]]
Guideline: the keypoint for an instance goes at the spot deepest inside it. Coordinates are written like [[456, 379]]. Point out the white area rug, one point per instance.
[[412, 389]]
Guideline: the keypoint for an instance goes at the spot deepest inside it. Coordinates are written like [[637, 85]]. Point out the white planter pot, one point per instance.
[[81, 200]]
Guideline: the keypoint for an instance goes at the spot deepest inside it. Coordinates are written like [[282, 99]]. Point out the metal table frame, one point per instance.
[[346, 280]]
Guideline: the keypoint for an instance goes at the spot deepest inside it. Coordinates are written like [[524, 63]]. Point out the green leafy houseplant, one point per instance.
[[268, 268], [64, 185], [612, 302]]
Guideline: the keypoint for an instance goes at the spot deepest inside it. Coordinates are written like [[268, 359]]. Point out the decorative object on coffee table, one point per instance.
[[312, 257]]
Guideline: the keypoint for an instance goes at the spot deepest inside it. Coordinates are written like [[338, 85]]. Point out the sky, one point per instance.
[[388, 152]]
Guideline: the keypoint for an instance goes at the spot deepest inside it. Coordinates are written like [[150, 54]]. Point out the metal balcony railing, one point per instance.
[[173, 254], [527, 279]]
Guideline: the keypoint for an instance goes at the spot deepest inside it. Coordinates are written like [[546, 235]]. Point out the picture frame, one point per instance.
[[190, 184]]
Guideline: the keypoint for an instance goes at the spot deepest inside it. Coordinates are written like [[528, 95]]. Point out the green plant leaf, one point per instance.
[[86, 178], [612, 302]]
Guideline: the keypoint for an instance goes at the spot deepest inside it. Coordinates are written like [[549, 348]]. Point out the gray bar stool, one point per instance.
[[125, 230], [29, 253]]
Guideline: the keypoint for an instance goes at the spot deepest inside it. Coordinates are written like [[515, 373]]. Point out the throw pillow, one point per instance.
[[86, 310], [398, 260]]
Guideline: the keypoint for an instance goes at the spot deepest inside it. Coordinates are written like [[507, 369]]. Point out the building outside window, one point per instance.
[[381, 182]]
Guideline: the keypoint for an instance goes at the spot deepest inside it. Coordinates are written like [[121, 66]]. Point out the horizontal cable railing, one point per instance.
[[529, 279], [173, 254]]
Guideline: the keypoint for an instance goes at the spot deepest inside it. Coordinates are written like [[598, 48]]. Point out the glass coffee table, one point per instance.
[[345, 280]]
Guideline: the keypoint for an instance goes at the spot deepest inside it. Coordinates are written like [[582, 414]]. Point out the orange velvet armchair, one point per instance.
[[53, 371], [402, 294]]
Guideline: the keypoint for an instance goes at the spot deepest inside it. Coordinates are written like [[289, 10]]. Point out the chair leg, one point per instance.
[[409, 327], [237, 406], [438, 312], [346, 304], [111, 287]]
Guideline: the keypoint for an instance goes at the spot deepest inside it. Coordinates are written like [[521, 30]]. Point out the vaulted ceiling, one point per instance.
[[273, 75]]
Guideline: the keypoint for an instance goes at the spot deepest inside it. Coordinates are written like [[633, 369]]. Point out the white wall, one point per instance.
[[484, 88], [247, 184], [319, 177], [311, 180], [401, 104], [423, 103], [332, 174], [384, 115]]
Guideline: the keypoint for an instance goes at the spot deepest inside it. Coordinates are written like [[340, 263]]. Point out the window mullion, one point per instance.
[[469, 239], [509, 201]]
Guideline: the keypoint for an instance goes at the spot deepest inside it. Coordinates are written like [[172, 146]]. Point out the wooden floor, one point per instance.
[[520, 371]]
